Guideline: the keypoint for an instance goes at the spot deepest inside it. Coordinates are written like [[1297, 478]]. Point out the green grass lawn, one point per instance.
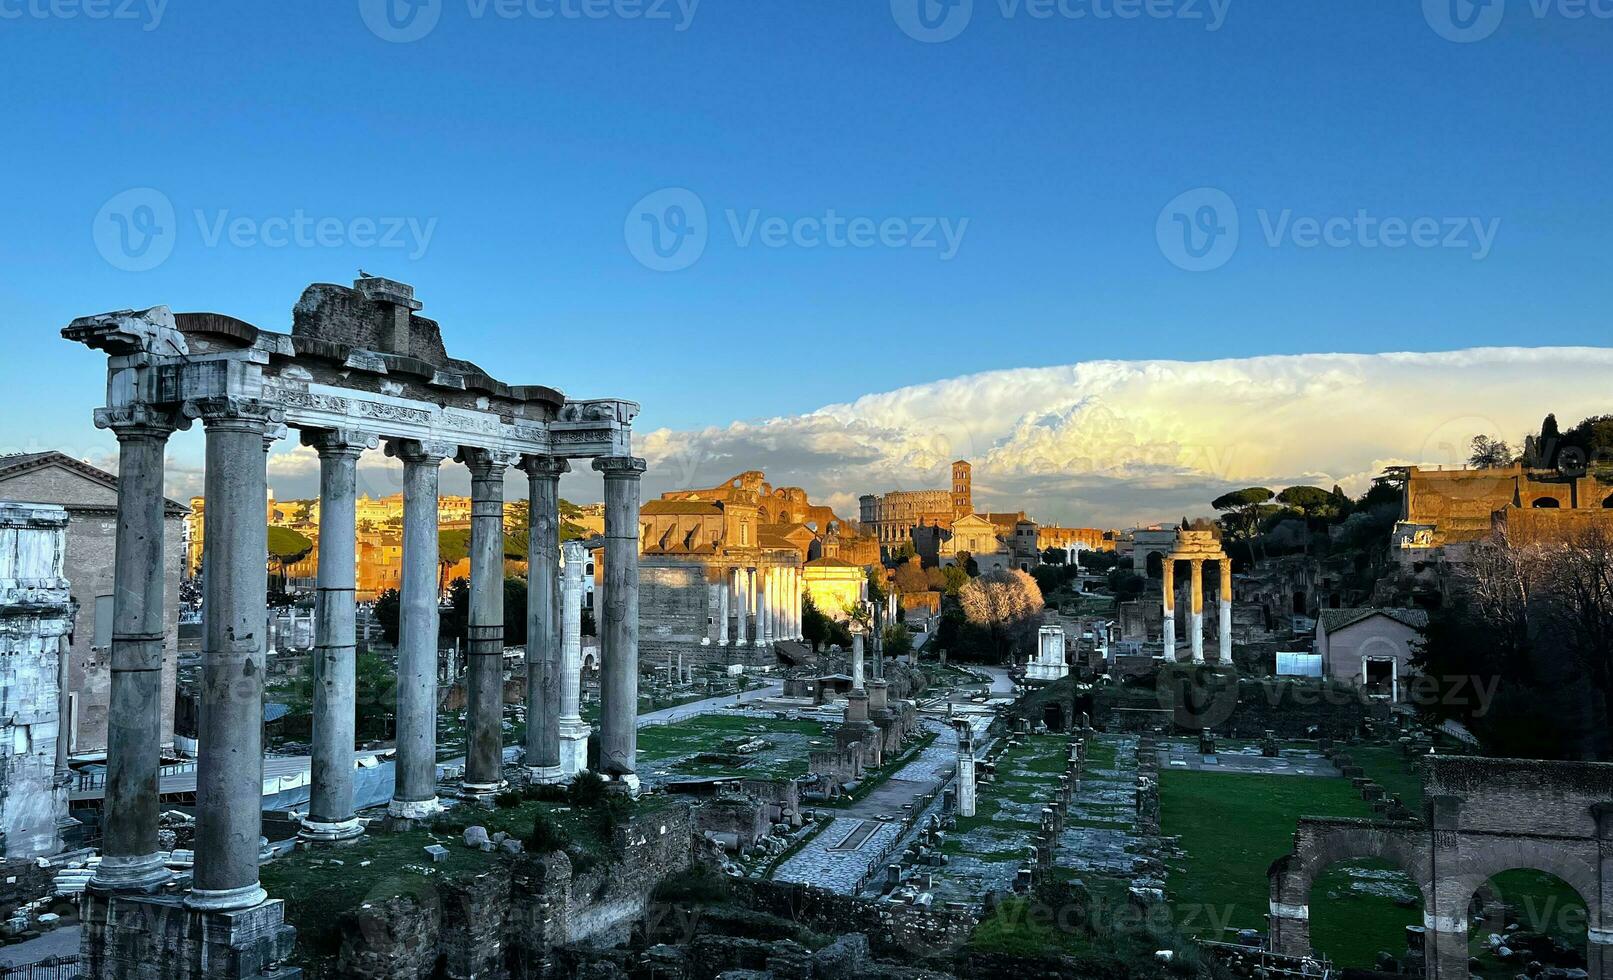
[[659, 746], [1233, 825], [1008, 812], [1387, 766]]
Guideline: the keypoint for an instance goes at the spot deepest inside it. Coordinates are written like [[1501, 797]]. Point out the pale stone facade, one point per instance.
[[1370, 649], [1049, 664], [837, 587], [90, 496], [891, 517], [35, 614], [359, 367]]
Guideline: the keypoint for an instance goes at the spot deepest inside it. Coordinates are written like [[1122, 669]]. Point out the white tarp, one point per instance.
[[1299, 664]]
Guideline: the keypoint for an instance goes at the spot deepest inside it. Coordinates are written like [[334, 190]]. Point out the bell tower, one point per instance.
[[962, 495]]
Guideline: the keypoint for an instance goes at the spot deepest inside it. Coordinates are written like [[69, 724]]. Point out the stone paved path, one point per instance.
[[840, 871]]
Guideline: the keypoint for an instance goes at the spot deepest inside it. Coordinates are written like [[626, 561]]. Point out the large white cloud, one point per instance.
[[1112, 443]]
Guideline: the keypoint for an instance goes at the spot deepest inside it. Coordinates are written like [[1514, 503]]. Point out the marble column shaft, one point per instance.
[[619, 632], [764, 605], [857, 677], [484, 761], [1224, 612], [1196, 565], [723, 588], [414, 793], [330, 801], [543, 617], [741, 607], [235, 546], [573, 731], [131, 858], [1169, 569]]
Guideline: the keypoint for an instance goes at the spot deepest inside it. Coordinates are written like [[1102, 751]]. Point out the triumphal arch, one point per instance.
[[1484, 816], [358, 369]]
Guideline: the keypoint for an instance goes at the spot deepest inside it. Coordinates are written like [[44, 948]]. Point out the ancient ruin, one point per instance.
[[359, 367], [1196, 548]]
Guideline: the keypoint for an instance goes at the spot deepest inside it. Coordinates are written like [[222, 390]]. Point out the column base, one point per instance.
[[573, 749], [121, 874], [128, 937], [414, 809], [226, 899], [319, 832], [482, 791], [544, 775]]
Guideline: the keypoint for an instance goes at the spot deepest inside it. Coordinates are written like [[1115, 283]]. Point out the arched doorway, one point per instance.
[[1546, 503], [1361, 911], [1534, 916], [1608, 503], [1155, 565]]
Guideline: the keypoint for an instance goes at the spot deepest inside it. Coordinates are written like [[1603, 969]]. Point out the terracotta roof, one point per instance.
[[1333, 620], [701, 507], [20, 462], [831, 563]]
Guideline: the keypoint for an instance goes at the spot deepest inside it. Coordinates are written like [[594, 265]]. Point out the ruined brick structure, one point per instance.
[[1484, 816]]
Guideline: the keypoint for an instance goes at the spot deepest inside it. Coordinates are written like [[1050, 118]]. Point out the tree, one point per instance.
[[1242, 511], [910, 579], [1548, 443], [287, 548], [956, 577], [1006, 605], [1310, 501], [819, 629], [898, 641], [456, 617], [876, 584], [388, 611], [1489, 453]]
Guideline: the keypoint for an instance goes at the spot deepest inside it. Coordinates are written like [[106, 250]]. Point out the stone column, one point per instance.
[[619, 624], [966, 770], [764, 605], [795, 604], [1196, 565], [543, 618], [752, 609], [235, 545], [414, 793], [131, 859], [1224, 612], [723, 588], [330, 800], [1169, 568], [741, 607], [484, 757], [573, 731], [857, 661]]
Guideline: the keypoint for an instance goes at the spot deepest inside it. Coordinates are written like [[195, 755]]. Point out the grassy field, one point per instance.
[[1233, 825], [1387, 766], [659, 746]]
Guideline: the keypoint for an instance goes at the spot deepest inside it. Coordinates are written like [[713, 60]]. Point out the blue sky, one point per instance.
[[525, 143]]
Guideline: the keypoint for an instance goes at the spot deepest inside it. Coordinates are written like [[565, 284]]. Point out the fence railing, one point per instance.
[[54, 968], [86, 781]]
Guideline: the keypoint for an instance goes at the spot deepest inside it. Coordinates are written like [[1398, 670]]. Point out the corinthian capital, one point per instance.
[[550, 466], [620, 467], [128, 421], [226, 408], [420, 451], [339, 442]]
